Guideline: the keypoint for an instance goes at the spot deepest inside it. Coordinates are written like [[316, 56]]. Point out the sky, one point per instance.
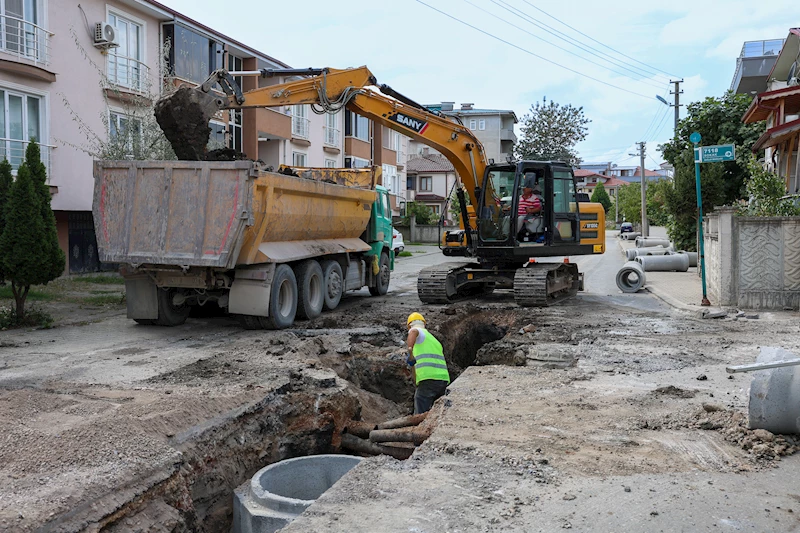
[[508, 54]]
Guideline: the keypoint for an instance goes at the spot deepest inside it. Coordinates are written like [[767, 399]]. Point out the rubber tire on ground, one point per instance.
[[333, 284], [169, 314], [310, 289], [382, 282]]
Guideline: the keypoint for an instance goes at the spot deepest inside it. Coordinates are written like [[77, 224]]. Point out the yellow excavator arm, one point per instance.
[[330, 90]]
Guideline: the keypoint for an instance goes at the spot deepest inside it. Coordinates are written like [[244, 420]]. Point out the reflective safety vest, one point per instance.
[[429, 359]]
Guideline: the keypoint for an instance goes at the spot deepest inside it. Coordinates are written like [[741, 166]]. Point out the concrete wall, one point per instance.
[[417, 233], [753, 262]]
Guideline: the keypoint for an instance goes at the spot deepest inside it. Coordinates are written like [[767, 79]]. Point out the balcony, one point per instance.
[[332, 137], [14, 151], [508, 135], [754, 64], [25, 40], [300, 127], [128, 74], [272, 124]]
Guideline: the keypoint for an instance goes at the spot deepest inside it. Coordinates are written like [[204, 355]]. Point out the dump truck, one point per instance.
[[268, 247]]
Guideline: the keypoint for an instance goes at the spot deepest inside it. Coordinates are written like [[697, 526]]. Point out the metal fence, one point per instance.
[[14, 151], [300, 126], [25, 40], [332, 136], [127, 73], [770, 47]]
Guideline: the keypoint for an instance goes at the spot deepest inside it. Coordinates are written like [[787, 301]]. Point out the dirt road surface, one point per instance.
[[605, 413]]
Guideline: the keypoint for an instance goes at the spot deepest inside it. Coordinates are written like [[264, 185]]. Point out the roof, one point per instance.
[[428, 198], [648, 173], [474, 111], [776, 135], [429, 163], [585, 173], [787, 56], [760, 109]]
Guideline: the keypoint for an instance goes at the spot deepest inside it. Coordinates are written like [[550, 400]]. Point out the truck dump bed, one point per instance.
[[223, 214]]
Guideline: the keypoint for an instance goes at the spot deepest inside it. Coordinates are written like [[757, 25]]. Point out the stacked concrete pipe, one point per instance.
[[633, 253], [649, 242], [692, 257], [664, 263], [631, 278], [629, 236]]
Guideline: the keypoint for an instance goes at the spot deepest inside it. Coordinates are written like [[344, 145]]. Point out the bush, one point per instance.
[[34, 318], [424, 214], [765, 190]]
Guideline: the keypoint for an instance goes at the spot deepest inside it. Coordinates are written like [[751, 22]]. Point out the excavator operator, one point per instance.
[[529, 213]]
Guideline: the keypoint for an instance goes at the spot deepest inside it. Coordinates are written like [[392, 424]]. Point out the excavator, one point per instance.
[[501, 248]]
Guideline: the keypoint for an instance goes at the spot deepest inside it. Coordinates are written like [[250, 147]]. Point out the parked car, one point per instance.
[[626, 227], [397, 241]]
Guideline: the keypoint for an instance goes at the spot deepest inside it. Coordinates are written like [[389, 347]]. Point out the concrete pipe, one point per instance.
[[630, 277], [630, 236], [280, 492], [775, 394], [649, 242], [692, 257], [664, 263], [633, 253]]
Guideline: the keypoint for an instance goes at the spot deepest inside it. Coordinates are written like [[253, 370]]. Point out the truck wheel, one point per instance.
[[382, 281], [334, 284], [310, 289], [282, 299], [170, 314]]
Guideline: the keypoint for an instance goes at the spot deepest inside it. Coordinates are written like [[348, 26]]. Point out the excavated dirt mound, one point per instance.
[[184, 120]]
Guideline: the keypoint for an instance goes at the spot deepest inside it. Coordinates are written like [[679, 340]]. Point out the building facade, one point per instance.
[[494, 128], [430, 181], [69, 70]]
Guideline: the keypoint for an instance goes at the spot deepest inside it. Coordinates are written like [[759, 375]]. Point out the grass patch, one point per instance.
[[116, 298], [34, 318], [36, 295], [100, 279], [404, 254], [420, 252], [101, 291]]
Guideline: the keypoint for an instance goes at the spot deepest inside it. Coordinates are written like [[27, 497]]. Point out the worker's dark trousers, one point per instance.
[[427, 392]]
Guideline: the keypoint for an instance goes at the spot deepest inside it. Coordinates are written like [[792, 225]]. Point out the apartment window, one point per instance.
[[125, 62], [481, 125], [18, 33], [473, 124], [411, 183], [356, 162], [235, 115], [126, 132], [299, 159], [425, 183], [332, 132], [391, 139], [20, 122], [434, 208], [390, 179], [330, 163], [300, 122], [356, 126], [217, 138], [191, 56]]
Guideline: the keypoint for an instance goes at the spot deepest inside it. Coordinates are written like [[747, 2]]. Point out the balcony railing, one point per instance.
[[25, 40], [127, 73], [14, 151], [300, 127], [332, 136], [770, 47]]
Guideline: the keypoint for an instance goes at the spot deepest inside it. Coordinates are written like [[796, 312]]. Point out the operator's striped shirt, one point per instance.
[[524, 203]]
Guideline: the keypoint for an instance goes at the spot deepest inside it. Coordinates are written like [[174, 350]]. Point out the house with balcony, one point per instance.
[[494, 128], [69, 71], [779, 108], [754, 65]]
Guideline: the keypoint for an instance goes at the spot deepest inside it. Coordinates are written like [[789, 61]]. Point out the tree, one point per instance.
[[600, 196], [54, 259], [6, 180], [765, 191], [424, 214], [23, 243], [455, 207], [719, 121], [551, 131], [657, 191], [630, 202]]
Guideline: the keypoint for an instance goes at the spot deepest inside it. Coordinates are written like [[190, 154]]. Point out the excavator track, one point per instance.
[[436, 284], [544, 284]]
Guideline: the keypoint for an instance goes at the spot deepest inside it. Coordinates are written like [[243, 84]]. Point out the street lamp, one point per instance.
[[662, 100]]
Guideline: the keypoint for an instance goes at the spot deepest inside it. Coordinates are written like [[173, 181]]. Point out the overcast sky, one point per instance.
[[431, 57]]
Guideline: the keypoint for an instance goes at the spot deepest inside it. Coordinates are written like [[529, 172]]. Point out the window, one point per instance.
[[434, 208], [356, 126], [356, 162], [411, 183], [330, 163], [191, 56], [18, 33], [20, 122], [473, 124], [300, 121], [299, 159], [125, 62], [426, 183], [217, 138], [126, 132], [391, 139], [331, 130], [481, 124], [235, 115], [390, 179]]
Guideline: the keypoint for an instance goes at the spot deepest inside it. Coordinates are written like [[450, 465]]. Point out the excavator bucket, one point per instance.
[[183, 117]]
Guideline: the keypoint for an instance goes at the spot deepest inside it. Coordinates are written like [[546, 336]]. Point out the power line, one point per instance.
[[574, 42], [655, 69], [529, 52]]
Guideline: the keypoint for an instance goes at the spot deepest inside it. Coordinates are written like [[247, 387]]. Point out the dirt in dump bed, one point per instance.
[[184, 122]]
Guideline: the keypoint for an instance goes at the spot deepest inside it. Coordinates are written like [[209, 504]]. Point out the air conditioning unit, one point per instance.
[[105, 35]]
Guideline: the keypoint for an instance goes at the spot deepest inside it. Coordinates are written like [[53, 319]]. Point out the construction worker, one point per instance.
[[429, 368]]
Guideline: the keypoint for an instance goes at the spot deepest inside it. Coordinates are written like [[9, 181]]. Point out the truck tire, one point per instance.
[[170, 314], [382, 280], [310, 289], [282, 299], [333, 284]]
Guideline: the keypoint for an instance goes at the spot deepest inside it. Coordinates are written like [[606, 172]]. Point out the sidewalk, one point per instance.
[[683, 290]]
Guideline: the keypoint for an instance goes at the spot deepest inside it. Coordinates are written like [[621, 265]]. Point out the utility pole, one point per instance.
[[642, 146], [677, 105]]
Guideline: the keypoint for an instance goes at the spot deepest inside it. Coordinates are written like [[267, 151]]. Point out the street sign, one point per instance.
[[715, 154], [695, 137]]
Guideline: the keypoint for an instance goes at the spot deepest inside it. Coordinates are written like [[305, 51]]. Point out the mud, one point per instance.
[[183, 117]]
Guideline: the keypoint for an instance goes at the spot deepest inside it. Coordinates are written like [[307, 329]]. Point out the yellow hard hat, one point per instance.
[[415, 316]]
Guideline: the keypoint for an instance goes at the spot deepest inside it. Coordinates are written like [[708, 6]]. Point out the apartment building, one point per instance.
[[430, 181], [68, 71], [493, 127]]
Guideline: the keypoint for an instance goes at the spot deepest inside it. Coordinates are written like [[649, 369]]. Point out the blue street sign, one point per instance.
[[695, 137]]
